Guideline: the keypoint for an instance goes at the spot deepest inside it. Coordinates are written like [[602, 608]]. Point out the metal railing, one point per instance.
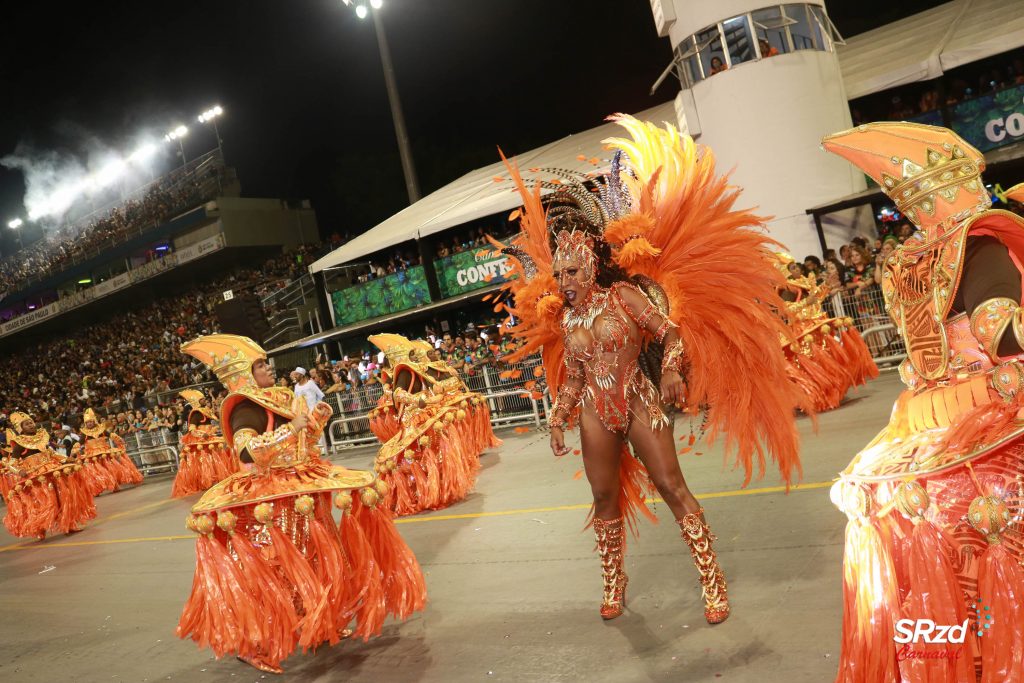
[[153, 452], [867, 310], [503, 386]]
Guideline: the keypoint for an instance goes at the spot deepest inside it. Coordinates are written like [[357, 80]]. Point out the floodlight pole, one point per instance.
[[411, 184]]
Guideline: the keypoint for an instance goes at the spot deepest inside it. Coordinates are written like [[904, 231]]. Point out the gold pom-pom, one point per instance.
[[475, 401], [989, 515], [381, 487], [825, 328], [424, 441], [264, 513], [409, 454], [463, 404], [438, 427], [369, 497], [343, 500], [56, 474], [227, 520], [460, 414], [372, 414], [305, 505], [550, 306], [911, 499], [203, 524], [448, 417]]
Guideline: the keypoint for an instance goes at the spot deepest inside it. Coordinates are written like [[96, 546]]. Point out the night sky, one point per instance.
[[301, 82]]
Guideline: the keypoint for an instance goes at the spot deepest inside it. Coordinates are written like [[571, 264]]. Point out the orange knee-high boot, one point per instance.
[[698, 537], [611, 546]]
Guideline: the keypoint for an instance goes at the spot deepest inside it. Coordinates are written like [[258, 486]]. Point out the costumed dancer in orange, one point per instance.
[[104, 457], [935, 500], [384, 417], [643, 300], [7, 477], [204, 457], [274, 572], [433, 460], [827, 356], [48, 492]]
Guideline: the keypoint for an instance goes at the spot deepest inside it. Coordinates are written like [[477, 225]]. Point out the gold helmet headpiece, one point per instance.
[[396, 348], [229, 356], [931, 173], [193, 397], [16, 418]]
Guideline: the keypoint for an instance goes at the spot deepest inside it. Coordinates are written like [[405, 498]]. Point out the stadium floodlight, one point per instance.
[[361, 11], [85, 281], [376, 4], [15, 224], [210, 114], [179, 132]]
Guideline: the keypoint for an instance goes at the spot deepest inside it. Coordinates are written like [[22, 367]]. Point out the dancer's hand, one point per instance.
[[672, 388], [558, 446], [299, 422]]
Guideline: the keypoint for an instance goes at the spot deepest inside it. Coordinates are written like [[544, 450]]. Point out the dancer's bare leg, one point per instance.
[[602, 450], [657, 451]]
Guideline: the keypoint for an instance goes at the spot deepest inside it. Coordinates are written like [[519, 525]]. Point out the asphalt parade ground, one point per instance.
[[513, 581]]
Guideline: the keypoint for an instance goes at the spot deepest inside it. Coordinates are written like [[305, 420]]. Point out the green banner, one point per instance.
[[469, 270], [992, 120], [390, 294]]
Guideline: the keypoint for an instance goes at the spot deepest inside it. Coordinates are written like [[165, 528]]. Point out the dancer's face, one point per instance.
[[28, 426], [575, 279], [90, 424], [263, 373]]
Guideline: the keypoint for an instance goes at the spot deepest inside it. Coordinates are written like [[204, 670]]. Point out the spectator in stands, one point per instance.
[[904, 232], [812, 265], [717, 65], [766, 48], [889, 245]]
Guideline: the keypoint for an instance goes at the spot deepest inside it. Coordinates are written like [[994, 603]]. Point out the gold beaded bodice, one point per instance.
[[604, 342]]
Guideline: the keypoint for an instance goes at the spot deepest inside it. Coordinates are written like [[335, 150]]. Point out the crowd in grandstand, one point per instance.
[[173, 194], [118, 362]]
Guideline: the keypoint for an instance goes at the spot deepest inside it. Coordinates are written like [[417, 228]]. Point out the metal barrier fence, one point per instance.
[[153, 452], [867, 310], [514, 394]]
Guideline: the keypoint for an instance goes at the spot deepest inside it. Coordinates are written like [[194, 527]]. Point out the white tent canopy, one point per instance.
[[922, 46], [477, 193]]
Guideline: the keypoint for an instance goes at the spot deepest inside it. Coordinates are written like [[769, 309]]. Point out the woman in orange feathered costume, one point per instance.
[[48, 491], [273, 570], [648, 302], [204, 457], [935, 501], [433, 459], [104, 457], [827, 356]]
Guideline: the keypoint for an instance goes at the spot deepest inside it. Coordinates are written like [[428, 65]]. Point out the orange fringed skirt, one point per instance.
[[829, 362], [276, 576], [384, 421], [938, 567], [435, 464], [99, 473], [125, 470], [55, 499], [202, 462]]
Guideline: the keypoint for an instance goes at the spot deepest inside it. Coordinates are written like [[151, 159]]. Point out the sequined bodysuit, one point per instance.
[[603, 341]]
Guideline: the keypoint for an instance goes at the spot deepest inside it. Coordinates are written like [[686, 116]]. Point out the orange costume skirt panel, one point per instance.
[[935, 504], [434, 458], [275, 572], [53, 497], [384, 419], [203, 460], [827, 359]]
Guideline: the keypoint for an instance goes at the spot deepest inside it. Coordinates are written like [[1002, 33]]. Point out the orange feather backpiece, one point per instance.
[[716, 266]]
